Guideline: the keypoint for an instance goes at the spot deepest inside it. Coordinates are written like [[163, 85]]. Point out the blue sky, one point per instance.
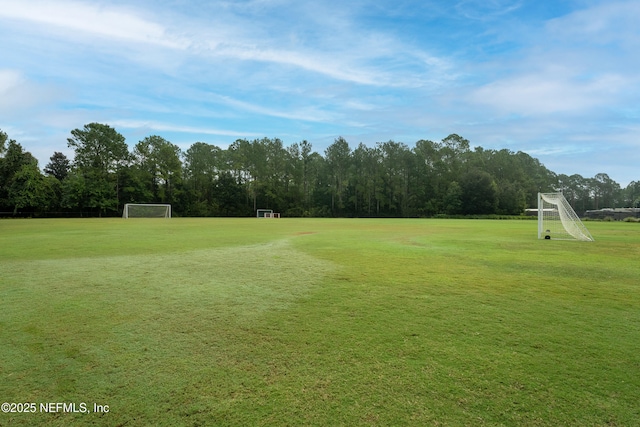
[[556, 79]]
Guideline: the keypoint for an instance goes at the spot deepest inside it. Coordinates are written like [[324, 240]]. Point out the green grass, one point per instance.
[[319, 322]]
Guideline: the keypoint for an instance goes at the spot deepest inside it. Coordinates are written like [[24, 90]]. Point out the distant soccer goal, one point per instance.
[[146, 210], [262, 213], [557, 219]]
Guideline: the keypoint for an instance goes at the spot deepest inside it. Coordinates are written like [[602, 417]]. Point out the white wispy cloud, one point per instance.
[[569, 67], [362, 61], [8, 80], [168, 127], [18, 93], [600, 25], [113, 22], [549, 93], [486, 9], [304, 113]]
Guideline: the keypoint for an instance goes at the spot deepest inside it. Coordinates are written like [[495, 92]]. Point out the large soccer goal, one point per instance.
[[558, 220], [146, 210]]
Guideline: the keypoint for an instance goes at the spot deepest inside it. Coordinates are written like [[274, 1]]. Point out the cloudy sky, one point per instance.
[[557, 79]]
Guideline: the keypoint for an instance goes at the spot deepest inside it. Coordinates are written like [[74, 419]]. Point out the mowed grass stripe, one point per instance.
[[375, 322], [139, 320]]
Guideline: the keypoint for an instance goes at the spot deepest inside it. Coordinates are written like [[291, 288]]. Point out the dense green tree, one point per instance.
[[160, 167], [454, 153], [74, 193], [606, 192], [581, 191], [229, 197], [101, 194], [202, 165], [28, 189], [56, 172], [367, 180], [98, 147], [53, 196], [536, 177], [276, 176], [135, 185], [241, 163], [430, 185], [22, 185], [146, 171], [511, 198], [58, 166], [453, 201], [510, 177], [12, 162], [100, 154], [397, 163], [631, 195], [3, 140], [169, 170], [14, 157], [295, 198], [319, 182], [479, 193], [338, 160], [307, 174]]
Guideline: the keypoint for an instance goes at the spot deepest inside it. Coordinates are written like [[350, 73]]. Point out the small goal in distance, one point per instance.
[[557, 219], [146, 210], [266, 213]]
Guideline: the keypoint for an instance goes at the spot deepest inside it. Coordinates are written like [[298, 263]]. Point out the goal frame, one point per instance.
[[262, 213], [167, 213], [558, 221]]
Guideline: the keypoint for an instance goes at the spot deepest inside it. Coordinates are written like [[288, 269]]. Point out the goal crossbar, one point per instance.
[[146, 210]]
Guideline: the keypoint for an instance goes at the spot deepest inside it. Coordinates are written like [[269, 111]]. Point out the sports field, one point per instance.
[[326, 322]]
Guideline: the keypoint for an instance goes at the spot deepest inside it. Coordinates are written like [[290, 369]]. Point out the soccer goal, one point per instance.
[[146, 210], [262, 213], [557, 219]]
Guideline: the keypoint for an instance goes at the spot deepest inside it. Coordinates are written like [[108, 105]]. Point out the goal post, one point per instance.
[[557, 219], [146, 210]]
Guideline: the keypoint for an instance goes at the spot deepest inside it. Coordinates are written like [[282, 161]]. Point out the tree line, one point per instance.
[[389, 179]]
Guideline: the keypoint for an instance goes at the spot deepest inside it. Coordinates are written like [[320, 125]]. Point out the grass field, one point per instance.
[[321, 322]]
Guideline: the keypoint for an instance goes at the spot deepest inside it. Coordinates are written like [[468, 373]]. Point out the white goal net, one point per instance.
[[142, 210], [558, 220]]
